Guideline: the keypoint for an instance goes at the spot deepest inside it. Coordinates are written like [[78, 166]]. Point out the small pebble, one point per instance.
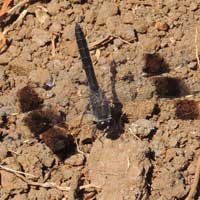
[[141, 27], [3, 152], [40, 37], [173, 124], [107, 9], [118, 43], [41, 15], [71, 48], [4, 59], [151, 45], [163, 44], [66, 172], [193, 6], [40, 75], [127, 32], [112, 23], [142, 128], [55, 28], [161, 26], [50, 94], [90, 16], [69, 32], [128, 18], [192, 65], [75, 160]]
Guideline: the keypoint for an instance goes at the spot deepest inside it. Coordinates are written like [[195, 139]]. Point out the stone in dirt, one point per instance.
[[3, 152], [161, 26], [40, 76], [128, 18], [169, 184], [90, 16], [142, 128], [34, 158], [44, 194], [20, 197], [71, 48], [10, 182], [151, 45], [55, 28], [5, 58], [113, 22], [107, 9], [138, 110], [42, 16], [69, 32], [20, 66], [127, 32], [40, 37], [140, 26], [75, 160], [193, 6]]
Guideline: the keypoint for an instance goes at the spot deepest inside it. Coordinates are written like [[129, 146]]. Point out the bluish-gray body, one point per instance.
[[98, 101]]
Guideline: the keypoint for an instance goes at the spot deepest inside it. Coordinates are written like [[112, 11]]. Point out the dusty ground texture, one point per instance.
[[43, 95]]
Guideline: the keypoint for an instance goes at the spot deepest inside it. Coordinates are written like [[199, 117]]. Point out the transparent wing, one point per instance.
[[123, 92]]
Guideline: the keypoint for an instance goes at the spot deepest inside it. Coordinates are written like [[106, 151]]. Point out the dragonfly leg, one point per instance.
[[83, 114], [94, 131], [94, 135]]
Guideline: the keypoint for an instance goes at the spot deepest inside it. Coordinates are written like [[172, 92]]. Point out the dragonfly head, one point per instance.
[[104, 125]]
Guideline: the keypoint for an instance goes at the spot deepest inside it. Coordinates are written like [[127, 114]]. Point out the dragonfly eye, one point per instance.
[[104, 125]]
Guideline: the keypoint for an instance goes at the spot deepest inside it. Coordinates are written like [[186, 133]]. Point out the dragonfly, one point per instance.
[[98, 102]]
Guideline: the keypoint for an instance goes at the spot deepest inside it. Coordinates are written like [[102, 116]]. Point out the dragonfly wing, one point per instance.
[[122, 92]]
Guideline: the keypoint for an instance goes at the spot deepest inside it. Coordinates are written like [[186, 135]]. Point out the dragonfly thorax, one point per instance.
[[104, 125]]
